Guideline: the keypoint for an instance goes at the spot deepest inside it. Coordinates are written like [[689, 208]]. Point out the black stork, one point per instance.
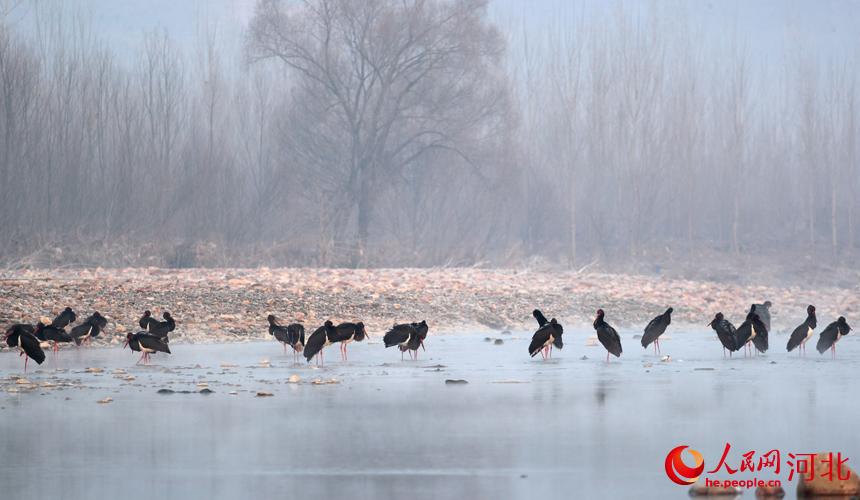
[[607, 336], [656, 328], [803, 332], [64, 319], [831, 335], [147, 344], [89, 329], [158, 328], [292, 335], [346, 333], [752, 330], [52, 334], [763, 312], [21, 336], [319, 339], [145, 319], [557, 341], [547, 335], [405, 336], [421, 329], [726, 332]]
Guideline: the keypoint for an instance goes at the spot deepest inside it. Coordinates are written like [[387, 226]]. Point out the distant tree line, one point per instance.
[[419, 132]]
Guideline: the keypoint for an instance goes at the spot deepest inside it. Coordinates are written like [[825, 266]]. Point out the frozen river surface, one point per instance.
[[521, 428]]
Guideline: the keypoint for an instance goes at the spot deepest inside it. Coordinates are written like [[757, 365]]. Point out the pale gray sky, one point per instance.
[[770, 27]]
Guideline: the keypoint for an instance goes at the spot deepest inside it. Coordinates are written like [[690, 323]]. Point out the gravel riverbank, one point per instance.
[[232, 304]]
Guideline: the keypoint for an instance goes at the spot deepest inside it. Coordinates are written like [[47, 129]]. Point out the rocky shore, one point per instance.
[[218, 305]]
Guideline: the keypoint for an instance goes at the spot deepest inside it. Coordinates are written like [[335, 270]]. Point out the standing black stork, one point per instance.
[[831, 335], [556, 341], [803, 333], [346, 333], [548, 334], [656, 328], [421, 329], [318, 340], [753, 330], [405, 336], [21, 336], [726, 332], [147, 344], [64, 319], [292, 335], [158, 328], [51, 334], [763, 312], [90, 328], [607, 336]]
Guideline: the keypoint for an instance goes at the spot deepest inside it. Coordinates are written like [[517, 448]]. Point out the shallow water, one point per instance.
[[392, 429]]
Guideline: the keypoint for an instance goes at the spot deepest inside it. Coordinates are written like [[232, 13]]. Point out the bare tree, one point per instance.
[[397, 78]]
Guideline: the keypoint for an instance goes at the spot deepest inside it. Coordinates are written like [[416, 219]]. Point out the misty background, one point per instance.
[[632, 135]]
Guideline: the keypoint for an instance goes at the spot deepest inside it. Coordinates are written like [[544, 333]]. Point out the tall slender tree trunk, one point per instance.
[[810, 199], [736, 214], [833, 238], [364, 213], [571, 256]]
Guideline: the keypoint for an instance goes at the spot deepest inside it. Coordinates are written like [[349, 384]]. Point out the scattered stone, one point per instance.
[[506, 332], [319, 381], [637, 337], [769, 492], [206, 391], [498, 342], [583, 358], [264, 394], [452, 381], [666, 358], [105, 400], [294, 379], [228, 365], [487, 339], [94, 370], [166, 391], [700, 490], [232, 393], [820, 485], [703, 369], [22, 381]]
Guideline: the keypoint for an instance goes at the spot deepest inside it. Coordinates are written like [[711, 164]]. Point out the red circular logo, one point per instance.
[[681, 473]]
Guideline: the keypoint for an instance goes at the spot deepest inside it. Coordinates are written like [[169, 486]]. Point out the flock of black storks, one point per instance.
[[751, 335], [407, 336]]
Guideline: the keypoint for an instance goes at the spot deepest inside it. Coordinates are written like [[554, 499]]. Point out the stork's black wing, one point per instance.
[[398, 335]]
